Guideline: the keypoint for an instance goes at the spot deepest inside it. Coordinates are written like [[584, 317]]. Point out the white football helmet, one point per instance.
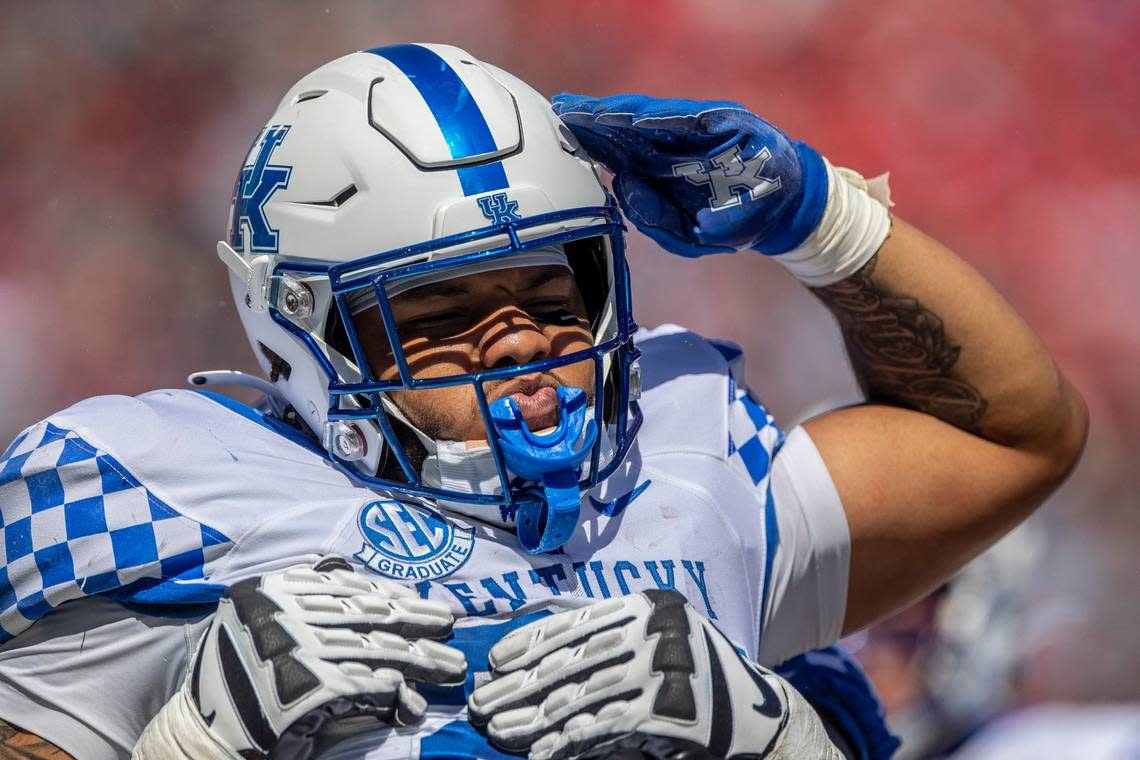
[[396, 165]]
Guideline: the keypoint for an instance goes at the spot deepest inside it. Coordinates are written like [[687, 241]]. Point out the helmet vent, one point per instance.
[[278, 367], [310, 95], [336, 201], [461, 121]]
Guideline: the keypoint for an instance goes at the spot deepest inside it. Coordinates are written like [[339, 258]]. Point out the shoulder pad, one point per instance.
[[695, 399], [685, 393], [118, 496]]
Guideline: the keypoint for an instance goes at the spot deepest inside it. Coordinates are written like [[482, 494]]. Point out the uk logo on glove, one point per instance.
[[702, 177], [733, 179]]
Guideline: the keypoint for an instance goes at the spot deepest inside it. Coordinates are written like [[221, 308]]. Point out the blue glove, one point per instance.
[[833, 683], [701, 177]]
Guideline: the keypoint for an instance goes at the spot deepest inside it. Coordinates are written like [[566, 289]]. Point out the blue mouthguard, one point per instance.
[[552, 460]]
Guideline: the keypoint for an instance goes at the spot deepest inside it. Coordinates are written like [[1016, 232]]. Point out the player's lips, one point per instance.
[[537, 400], [537, 407]]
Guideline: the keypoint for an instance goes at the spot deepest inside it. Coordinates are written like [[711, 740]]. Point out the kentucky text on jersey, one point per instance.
[[597, 580]]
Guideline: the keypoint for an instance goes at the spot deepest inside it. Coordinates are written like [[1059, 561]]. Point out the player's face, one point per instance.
[[483, 321]]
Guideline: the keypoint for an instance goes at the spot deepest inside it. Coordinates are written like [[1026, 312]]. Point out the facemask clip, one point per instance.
[[552, 460]]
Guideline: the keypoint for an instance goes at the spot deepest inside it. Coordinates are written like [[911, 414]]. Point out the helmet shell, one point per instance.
[[376, 151]]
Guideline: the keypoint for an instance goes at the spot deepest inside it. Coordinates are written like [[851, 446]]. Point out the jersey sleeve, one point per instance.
[[807, 545], [807, 584], [76, 521], [797, 530]]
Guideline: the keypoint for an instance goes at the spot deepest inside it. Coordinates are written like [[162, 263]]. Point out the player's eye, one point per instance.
[[443, 322], [552, 311]]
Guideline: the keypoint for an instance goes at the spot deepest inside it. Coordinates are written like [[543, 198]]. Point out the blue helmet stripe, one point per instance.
[[455, 110], [482, 178]]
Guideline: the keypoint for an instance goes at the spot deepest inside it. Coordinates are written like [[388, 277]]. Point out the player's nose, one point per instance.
[[513, 338]]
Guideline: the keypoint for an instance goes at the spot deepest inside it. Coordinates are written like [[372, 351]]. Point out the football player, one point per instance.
[[480, 514]]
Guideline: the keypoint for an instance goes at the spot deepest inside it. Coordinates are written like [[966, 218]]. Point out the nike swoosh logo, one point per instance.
[[196, 690], [615, 507], [720, 722], [771, 707]]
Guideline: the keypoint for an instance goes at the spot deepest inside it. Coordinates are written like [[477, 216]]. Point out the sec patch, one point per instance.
[[411, 542]]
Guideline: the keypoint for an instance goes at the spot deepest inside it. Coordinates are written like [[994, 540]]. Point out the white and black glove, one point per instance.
[[644, 674], [302, 657]]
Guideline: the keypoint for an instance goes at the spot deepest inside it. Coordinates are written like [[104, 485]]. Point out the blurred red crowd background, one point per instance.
[[1010, 129]]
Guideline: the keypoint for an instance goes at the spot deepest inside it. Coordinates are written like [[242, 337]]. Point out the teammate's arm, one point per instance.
[[970, 425], [17, 744]]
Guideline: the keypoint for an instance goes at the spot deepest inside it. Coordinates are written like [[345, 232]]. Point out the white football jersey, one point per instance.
[[124, 519]]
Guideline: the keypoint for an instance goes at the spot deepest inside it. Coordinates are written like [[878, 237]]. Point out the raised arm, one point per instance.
[[970, 424]]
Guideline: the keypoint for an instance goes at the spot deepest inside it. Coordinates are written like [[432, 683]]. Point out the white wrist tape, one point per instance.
[[178, 733], [855, 223]]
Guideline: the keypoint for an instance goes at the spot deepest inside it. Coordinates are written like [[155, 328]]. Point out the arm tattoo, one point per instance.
[[899, 350], [16, 744]]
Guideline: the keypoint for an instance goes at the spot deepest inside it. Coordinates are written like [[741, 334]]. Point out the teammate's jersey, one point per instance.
[[125, 518]]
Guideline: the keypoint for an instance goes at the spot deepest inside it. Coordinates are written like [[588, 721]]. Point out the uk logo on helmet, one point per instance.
[[409, 542], [499, 208], [255, 186]]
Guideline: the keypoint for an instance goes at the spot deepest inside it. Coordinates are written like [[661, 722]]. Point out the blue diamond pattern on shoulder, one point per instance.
[[755, 459], [85, 517], [115, 478], [134, 546], [758, 414], [97, 584], [74, 450], [72, 525], [7, 593], [55, 564], [45, 489], [186, 565], [33, 606], [18, 539], [51, 434], [158, 510], [211, 537], [12, 468], [753, 437]]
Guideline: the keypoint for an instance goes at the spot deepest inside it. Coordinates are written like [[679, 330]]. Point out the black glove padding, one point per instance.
[[302, 654], [644, 672]]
